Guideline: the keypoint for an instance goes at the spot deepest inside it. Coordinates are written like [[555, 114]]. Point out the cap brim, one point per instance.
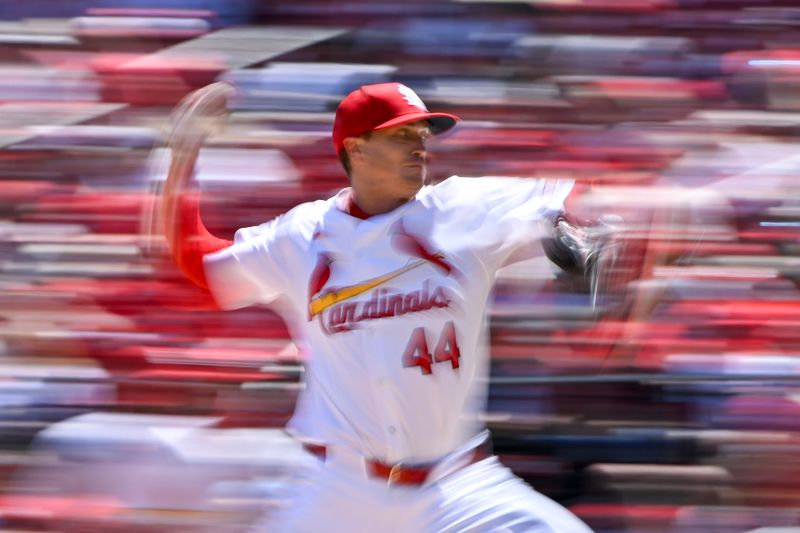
[[439, 122]]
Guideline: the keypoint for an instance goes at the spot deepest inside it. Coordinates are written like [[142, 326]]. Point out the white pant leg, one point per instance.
[[339, 498], [486, 497]]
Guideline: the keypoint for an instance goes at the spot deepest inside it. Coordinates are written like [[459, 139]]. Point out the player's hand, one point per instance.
[[198, 115], [201, 113], [590, 253]]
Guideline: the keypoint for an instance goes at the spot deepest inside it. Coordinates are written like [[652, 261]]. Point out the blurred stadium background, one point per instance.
[[127, 403]]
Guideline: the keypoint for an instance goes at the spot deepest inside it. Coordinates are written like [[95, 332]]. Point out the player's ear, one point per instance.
[[353, 146]]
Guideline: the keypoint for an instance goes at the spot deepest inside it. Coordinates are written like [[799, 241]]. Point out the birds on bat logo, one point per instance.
[[343, 315], [411, 97]]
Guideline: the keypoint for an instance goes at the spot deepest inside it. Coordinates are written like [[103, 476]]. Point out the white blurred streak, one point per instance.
[[116, 335], [90, 268], [734, 364], [628, 91], [664, 475], [272, 137], [74, 369], [17, 39], [775, 179], [289, 86], [53, 316], [606, 197], [69, 383], [16, 118], [780, 224], [751, 261], [231, 167], [594, 51], [224, 170], [488, 92], [699, 162], [741, 273], [530, 273], [138, 26], [26, 231], [37, 31], [774, 63], [231, 353], [739, 117], [237, 47], [662, 212], [143, 463], [725, 436], [56, 250], [90, 137]]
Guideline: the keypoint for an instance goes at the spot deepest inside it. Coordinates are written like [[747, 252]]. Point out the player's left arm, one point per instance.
[[590, 250], [575, 246]]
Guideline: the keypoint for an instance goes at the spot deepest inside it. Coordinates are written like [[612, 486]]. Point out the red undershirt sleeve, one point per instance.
[[194, 241]]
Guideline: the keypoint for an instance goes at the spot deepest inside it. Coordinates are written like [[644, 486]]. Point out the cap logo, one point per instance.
[[411, 97]]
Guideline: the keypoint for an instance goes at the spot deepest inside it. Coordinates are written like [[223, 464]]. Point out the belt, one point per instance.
[[403, 474]]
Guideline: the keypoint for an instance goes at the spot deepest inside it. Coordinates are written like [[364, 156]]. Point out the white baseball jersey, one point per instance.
[[389, 311]]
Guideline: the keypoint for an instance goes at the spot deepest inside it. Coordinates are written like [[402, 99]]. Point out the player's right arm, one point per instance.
[[187, 238]]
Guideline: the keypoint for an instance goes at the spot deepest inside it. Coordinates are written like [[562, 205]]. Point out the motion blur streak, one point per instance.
[[129, 403]]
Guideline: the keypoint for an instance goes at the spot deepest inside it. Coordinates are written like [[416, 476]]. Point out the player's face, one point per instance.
[[397, 157]]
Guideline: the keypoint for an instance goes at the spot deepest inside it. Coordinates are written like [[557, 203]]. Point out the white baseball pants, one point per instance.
[[481, 497]]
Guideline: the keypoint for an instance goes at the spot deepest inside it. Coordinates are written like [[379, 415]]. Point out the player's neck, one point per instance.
[[352, 208], [362, 204]]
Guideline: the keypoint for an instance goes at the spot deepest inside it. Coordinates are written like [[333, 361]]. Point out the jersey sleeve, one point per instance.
[[508, 217], [194, 241], [248, 272]]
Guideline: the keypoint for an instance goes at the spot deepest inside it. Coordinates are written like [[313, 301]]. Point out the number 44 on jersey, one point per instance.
[[418, 354]]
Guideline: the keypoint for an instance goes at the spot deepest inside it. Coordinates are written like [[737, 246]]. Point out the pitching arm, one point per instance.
[[187, 237]]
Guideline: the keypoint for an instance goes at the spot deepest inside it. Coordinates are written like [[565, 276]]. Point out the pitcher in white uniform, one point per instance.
[[384, 287]]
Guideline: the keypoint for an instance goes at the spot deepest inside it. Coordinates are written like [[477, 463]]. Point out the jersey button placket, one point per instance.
[[388, 411], [394, 435], [385, 393]]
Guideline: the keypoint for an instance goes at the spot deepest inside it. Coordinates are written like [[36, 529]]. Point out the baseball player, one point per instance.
[[384, 287]]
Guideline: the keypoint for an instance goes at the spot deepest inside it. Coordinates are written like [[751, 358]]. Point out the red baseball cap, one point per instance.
[[383, 105]]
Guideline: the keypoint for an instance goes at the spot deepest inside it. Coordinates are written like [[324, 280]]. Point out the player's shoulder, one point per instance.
[[495, 193], [474, 185], [305, 216], [299, 223], [456, 190]]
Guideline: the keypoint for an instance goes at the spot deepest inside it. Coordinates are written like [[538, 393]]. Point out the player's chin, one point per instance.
[[414, 175]]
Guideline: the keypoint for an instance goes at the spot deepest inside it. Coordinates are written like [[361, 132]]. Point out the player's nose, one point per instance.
[[419, 150]]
